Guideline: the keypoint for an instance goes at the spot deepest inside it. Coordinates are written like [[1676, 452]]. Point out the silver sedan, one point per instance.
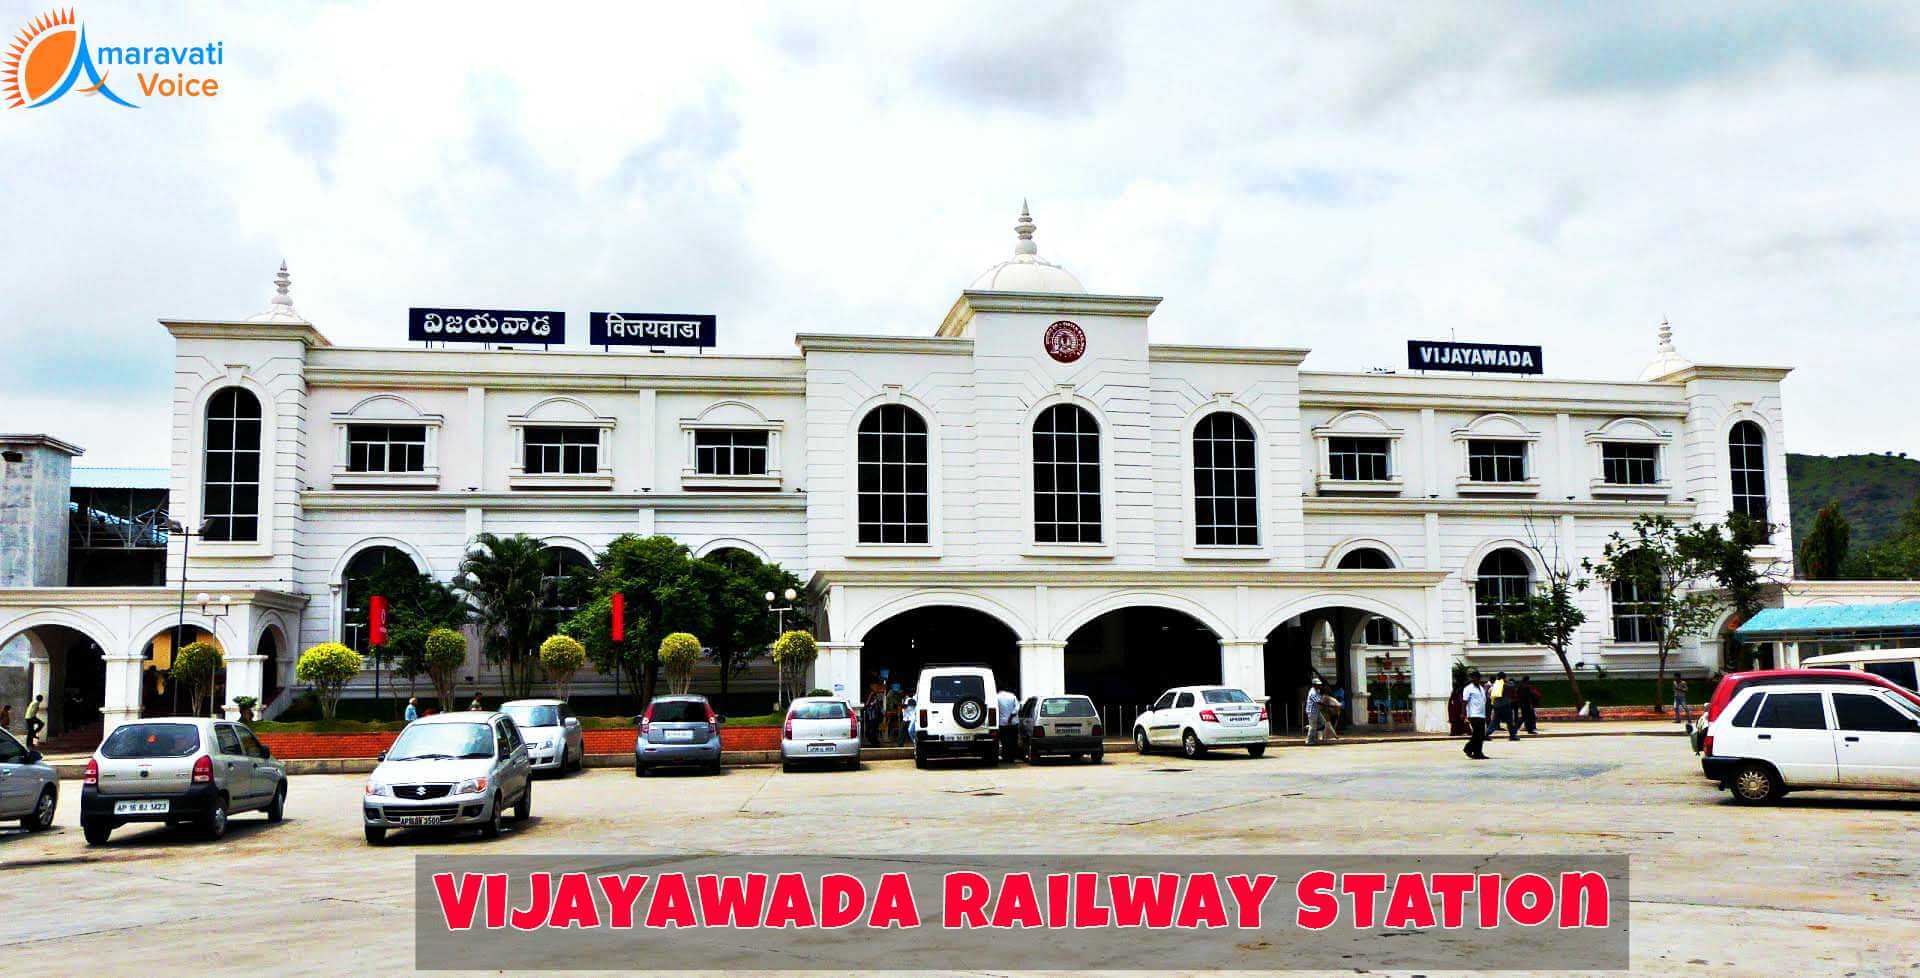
[[29, 789]]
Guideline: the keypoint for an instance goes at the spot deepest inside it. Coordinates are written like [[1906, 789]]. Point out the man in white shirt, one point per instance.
[[1008, 705], [1474, 698]]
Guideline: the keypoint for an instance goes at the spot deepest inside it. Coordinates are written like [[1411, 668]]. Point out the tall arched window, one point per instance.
[[230, 482], [1747, 461], [560, 585], [359, 583], [1226, 507], [893, 476], [1505, 578], [1066, 476]]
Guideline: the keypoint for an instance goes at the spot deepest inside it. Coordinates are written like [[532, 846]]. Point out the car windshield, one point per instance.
[[823, 710], [1226, 696], [442, 741], [1066, 706], [678, 711], [152, 740], [533, 716], [953, 689]]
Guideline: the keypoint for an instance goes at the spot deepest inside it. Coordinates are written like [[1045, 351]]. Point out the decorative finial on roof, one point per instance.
[[1666, 336], [1025, 230], [280, 307]]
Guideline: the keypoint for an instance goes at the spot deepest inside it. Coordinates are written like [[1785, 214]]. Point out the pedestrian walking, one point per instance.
[[1313, 711], [1502, 709], [1682, 713], [1474, 697], [1529, 706], [413, 709], [34, 722]]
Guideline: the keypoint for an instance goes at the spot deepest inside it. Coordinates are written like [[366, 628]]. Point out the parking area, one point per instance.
[[1822, 883]]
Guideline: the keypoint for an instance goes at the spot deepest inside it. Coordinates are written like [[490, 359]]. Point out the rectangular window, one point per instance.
[[730, 452], [1634, 618], [1625, 464], [1382, 631], [386, 448], [1793, 711], [1496, 460], [1358, 459], [562, 451]]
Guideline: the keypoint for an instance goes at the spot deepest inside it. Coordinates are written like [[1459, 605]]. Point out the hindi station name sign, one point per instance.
[[486, 325], [1492, 358], [651, 329]]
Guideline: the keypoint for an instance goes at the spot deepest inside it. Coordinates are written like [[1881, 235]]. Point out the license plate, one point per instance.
[[679, 736], [160, 807], [819, 748], [1067, 728], [1240, 719], [417, 820]]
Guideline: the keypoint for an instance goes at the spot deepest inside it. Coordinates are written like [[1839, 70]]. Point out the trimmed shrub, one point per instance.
[[562, 656], [327, 667], [678, 652], [195, 666]]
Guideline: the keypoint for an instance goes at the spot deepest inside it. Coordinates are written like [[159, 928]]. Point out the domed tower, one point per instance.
[[1026, 271]]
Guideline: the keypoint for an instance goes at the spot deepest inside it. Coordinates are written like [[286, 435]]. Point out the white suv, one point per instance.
[[956, 713], [1771, 739], [1199, 718]]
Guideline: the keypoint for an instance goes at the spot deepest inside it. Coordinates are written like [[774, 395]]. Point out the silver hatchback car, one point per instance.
[[820, 728], [452, 769], [179, 770], [677, 730], [555, 741], [29, 789]]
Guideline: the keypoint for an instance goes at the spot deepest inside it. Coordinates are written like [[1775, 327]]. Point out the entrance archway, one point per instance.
[[1126, 657], [269, 651], [76, 678], [1351, 651], [895, 650], [160, 696]]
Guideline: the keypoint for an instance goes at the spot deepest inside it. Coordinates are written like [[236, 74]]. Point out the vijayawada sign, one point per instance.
[[1495, 358]]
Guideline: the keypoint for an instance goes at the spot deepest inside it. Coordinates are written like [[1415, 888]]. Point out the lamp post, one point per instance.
[[213, 609], [186, 548], [780, 628]]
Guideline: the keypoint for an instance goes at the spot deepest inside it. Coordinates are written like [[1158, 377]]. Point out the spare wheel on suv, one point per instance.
[[969, 712]]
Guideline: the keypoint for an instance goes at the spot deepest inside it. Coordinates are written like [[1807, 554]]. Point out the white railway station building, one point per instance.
[[1033, 482]]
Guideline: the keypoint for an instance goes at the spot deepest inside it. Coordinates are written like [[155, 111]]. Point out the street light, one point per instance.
[[780, 628]]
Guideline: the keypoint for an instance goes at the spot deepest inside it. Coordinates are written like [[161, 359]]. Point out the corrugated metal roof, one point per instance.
[[120, 477], [1832, 618]]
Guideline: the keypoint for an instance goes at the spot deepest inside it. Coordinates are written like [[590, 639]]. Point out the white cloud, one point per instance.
[[1319, 175]]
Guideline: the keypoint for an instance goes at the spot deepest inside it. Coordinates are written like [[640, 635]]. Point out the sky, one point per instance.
[[1341, 176]]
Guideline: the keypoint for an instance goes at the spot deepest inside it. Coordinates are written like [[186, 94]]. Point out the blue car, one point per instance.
[[678, 730]]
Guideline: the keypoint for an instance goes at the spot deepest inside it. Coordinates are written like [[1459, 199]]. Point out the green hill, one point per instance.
[[1872, 490]]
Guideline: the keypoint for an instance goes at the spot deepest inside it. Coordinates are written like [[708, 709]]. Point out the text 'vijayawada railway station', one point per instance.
[[1033, 483]]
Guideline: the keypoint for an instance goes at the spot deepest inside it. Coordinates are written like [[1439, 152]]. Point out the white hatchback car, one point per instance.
[[1197, 719], [820, 728], [1771, 739]]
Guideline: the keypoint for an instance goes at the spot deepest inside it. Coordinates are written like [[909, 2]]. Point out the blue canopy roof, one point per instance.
[[1831, 619]]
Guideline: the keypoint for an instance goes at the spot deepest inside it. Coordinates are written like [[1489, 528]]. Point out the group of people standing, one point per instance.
[[1489, 705], [886, 715]]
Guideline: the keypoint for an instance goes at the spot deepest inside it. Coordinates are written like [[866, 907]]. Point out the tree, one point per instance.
[[1551, 616], [327, 667], [663, 594], [506, 579], [417, 605], [794, 651], [741, 628], [196, 666], [678, 652], [1672, 568], [442, 653], [1892, 559], [562, 656], [1824, 550]]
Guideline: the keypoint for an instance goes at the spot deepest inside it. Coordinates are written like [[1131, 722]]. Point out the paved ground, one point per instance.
[[1822, 884]]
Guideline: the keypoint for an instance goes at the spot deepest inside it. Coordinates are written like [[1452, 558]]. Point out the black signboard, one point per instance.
[[1490, 358], [651, 329], [486, 325]]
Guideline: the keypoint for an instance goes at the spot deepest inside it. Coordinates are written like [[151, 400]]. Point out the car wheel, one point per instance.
[[1099, 756], [215, 822], [786, 766], [1256, 750], [639, 769], [991, 756], [41, 819], [1755, 784], [523, 810], [376, 836], [490, 829], [1140, 742], [97, 833], [1033, 753], [1191, 746], [919, 755], [278, 810], [853, 764]]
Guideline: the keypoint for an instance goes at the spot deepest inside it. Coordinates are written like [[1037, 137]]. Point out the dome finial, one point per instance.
[[280, 307], [1666, 336], [1025, 230], [281, 282]]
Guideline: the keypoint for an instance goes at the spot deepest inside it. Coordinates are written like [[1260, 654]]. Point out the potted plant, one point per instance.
[[245, 705]]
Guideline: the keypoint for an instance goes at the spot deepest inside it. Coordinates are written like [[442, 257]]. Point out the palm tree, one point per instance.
[[506, 579]]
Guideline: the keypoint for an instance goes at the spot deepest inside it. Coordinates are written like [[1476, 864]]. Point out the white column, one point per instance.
[[246, 676], [1243, 663], [838, 669], [1432, 664], [1357, 698], [122, 701], [1043, 668]]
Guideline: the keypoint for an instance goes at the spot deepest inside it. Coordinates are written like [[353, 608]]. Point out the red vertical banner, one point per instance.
[[377, 620], [619, 626]]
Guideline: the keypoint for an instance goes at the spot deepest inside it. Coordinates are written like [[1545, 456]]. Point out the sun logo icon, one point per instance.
[[47, 59]]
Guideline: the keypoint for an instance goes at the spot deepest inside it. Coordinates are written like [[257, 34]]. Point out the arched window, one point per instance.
[[1505, 578], [230, 482], [1066, 476], [558, 578], [1226, 507], [1365, 558], [893, 476], [1747, 461], [358, 584]]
